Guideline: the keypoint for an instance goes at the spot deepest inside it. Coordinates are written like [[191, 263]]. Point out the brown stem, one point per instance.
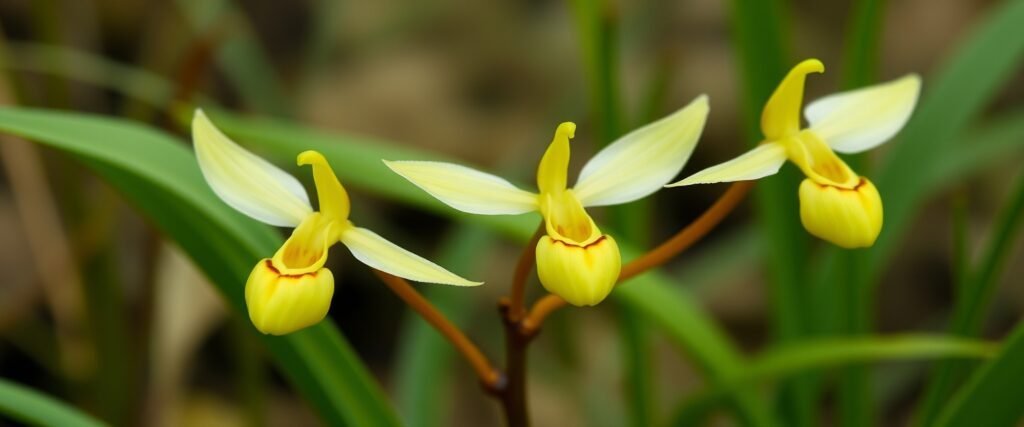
[[512, 391], [516, 306], [682, 240], [490, 377]]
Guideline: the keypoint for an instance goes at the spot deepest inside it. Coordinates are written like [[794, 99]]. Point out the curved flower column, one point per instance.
[[836, 204], [293, 289], [575, 260]]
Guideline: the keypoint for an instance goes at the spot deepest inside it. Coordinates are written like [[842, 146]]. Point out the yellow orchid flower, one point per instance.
[[293, 290], [836, 204], [574, 259]]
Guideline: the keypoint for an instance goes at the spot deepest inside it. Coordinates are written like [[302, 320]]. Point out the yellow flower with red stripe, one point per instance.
[[575, 260], [836, 204], [293, 289]]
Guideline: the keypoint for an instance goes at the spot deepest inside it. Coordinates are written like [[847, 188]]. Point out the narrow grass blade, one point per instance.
[[761, 43], [31, 407], [239, 54], [972, 75], [846, 296], [813, 355], [597, 27], [991, 397], [995, 140], [89, 68], [638, 360], [426, 362], [972, 301]]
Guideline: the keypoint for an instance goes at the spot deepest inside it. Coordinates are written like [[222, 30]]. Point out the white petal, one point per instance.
[[466, 189], [376, 252], [644, 160], [763, 160], [245, 181], [858, 120]]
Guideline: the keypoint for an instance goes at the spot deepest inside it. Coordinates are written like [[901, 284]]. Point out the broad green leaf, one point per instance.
[[991, 398], [31, 407], [160, 176]]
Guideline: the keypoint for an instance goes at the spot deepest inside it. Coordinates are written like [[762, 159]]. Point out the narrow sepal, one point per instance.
[[246, 182], [466, 189], [375, 251]]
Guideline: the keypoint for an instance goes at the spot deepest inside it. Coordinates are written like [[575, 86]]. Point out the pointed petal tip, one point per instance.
[[467, 283], [199, 118]]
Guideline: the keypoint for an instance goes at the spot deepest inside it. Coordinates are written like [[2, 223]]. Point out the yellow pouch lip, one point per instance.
[[818, 162], [567, 201], [317, 227]]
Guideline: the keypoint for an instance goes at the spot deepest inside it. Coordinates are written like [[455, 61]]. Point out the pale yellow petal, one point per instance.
[[466, 189], [762, 161], [781, 115], [245, 181], [858, 120], [376, 252], [644, 160]]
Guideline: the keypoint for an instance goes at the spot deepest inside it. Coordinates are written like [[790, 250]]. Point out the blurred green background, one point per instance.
[[106, 235]]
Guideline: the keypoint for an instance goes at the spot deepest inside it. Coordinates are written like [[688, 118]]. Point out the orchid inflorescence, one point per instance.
[[575, 260]]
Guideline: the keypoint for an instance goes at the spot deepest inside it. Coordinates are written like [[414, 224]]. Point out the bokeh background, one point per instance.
[[99, 310]]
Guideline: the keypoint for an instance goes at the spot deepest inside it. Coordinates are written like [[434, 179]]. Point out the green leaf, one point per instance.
[[787, 360], [160, 176], [972, 76], [426, 361], [34, 408], [89, 68], [996, 140], [698, 336], [597, 28], [846, 297], [973, 297], [638, 362], [762, 44], [238, 53], [992, 396], [861, 50]]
